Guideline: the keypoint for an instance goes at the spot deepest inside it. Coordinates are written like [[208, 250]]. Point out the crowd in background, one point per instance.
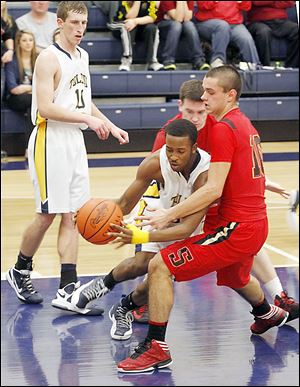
[[246, 25]]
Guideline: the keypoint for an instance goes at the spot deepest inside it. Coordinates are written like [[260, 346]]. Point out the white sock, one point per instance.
[[274, 287]]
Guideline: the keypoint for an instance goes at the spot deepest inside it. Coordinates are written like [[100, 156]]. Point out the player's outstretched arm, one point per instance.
[[120, 134]]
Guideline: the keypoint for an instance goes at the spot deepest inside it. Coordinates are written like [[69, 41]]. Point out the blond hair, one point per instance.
[[18, 51]]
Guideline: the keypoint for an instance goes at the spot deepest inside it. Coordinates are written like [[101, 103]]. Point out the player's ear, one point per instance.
[[194, 148]]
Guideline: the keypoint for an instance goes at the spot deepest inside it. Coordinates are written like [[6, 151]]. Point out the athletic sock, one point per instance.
[[68, 274], [23, 262], [274, 287], [157, 331], [109, 280], [261, 308]]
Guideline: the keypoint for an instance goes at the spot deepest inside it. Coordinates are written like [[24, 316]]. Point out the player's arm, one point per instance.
[[198, 201], [148, 170], [180, 230]]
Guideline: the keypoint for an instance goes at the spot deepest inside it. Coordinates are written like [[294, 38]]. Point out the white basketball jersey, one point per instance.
[[74, 89], [176, 188]]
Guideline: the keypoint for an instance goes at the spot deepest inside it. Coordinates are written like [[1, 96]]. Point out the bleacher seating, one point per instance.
[[270, 98]]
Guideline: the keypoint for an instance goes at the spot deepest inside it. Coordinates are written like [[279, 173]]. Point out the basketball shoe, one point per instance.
[[288, 304], [276, 317], [89, 292], [64, 297], [20, 281], [146, 357], [141, 314], [121, 318]]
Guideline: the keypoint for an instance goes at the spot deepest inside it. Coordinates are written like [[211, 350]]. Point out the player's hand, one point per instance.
[[159, 219], [277, 188], [120, 134], [100, 127], [122, 235]]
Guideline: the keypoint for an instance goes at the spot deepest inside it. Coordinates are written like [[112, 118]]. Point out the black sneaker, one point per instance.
[[121, 318], [89, 292], [20, 281], [63, 300]]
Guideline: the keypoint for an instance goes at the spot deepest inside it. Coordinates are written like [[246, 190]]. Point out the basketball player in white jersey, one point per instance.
[[61, 109], [172, 174]]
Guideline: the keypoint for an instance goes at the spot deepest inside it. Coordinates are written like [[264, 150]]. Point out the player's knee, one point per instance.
[[44, 220]]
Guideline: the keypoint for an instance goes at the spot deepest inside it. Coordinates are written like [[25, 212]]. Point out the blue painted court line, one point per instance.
[[135, 161]]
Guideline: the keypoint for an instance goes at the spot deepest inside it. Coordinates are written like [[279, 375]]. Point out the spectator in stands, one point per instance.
[[221, 22], [131, 21], [8, 31], [175, 19], [270, 18], [40, 22], [18, 78]]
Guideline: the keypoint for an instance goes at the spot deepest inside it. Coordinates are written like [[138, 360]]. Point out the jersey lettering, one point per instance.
[[257, 157], [183, 256]]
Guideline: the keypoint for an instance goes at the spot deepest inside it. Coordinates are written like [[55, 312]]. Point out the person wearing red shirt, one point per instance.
[[236, 177], [174, 18], [270, 18], [221, 22]]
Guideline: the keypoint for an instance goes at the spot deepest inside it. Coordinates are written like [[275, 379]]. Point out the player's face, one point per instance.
[[179, 152], [194, 111], [73, 27], [26, 42], [214, 97]]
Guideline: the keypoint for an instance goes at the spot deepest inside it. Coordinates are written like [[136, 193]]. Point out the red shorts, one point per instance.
[[229, 250]]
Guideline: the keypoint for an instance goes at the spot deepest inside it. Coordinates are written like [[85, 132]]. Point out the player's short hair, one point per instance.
[[64, 7], [182, 128], [228, 78], [191, 89]]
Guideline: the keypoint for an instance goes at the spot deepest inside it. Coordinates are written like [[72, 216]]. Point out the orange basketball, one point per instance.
[[94, 219]]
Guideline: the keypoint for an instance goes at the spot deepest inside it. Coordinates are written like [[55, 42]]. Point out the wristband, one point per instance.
[[138, 236]]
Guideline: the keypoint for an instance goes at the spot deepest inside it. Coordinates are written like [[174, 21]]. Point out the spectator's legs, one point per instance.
[[288, 30], [218, 33], [190, 32], [149, 32], [262, 35], [242, 38], [171, 31]]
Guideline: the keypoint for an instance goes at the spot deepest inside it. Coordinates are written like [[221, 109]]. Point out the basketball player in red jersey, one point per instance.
[[236, 177], [193, 109]]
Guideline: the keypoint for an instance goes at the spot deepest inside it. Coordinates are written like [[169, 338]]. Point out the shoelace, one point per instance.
[[95, 290], [124, 317], [140, 349], [26, 281]]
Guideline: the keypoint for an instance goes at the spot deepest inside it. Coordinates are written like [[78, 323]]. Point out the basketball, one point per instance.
[[94, 219]]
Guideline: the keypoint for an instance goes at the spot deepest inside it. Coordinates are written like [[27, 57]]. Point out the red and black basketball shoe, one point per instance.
[[288, 304], [276, 317], [146, 357]]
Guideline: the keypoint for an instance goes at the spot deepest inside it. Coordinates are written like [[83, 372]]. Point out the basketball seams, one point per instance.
[[104, 223], [88, 217]]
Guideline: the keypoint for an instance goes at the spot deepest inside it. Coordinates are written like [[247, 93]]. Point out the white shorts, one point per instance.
[[58, 168]]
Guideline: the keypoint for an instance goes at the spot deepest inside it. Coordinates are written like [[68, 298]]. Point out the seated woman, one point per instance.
[[18, 78]]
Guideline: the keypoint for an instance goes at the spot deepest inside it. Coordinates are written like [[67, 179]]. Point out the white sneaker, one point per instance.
[[125, 63], [216, 63], [63, 301], [155, 66]]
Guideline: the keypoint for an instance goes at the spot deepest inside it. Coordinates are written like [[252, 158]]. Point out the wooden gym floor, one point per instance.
[[208, 333]]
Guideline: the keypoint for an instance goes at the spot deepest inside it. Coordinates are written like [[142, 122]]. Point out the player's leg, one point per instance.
[[129, 268], [19, 275], [265, 272]]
